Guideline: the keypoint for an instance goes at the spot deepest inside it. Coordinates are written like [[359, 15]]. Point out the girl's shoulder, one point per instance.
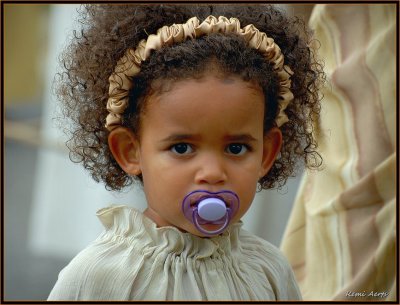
[[253, 245], [260, 254]]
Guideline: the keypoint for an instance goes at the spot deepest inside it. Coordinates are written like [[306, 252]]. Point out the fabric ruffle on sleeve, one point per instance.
[[134, 260]]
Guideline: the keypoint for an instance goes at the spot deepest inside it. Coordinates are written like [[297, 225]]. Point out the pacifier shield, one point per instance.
[[203, 207]]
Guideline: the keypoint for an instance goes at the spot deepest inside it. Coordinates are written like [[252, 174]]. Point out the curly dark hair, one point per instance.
[[109, 30]]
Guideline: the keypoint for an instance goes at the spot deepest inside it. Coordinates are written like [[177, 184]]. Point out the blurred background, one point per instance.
[[50, 202]]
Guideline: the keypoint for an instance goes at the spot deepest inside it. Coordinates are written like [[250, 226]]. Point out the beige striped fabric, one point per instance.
[[341, 236]]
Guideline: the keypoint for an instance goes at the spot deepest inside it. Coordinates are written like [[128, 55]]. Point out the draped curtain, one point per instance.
[[341, 235]]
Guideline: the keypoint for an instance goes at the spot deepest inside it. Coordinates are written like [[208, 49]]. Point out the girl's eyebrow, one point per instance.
[[229, 138], [240, 138], [180, 137]]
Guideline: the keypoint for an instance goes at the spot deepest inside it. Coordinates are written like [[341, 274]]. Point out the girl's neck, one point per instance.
[[153, 215]]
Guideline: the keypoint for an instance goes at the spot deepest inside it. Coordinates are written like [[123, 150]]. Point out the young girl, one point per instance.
[[198, 104]]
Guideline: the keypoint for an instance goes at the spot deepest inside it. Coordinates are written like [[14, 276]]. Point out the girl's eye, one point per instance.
[[237, 149], [182, 149]]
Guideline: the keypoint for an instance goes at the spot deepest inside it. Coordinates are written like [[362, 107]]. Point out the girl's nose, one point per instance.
[[211, 170]]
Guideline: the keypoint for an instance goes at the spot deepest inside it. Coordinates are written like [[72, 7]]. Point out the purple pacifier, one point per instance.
[[204, 207]]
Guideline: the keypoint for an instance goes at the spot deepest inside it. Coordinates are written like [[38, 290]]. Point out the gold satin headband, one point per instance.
[[129, 65]]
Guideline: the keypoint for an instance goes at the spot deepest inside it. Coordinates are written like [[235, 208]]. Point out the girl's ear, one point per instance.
[[272, 147], [124, 146]]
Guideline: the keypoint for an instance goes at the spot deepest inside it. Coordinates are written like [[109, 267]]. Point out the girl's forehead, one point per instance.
[[213, 101], [167, 87], [208, 89]]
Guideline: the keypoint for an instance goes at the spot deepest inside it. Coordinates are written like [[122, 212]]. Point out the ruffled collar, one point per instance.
[[126, 224]]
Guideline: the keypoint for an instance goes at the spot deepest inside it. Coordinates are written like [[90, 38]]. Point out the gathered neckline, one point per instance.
[[126, 224]]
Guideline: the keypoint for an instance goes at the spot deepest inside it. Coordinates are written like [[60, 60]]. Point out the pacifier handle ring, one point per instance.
[[215, 232]]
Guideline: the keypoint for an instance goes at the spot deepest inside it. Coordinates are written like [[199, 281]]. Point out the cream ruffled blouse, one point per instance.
[[134, 260]]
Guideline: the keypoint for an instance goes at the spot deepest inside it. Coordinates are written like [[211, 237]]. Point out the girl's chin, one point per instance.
[[186, 228], [207, 227]]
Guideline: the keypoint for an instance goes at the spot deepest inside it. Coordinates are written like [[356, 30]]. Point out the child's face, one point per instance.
[[203, 135]]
